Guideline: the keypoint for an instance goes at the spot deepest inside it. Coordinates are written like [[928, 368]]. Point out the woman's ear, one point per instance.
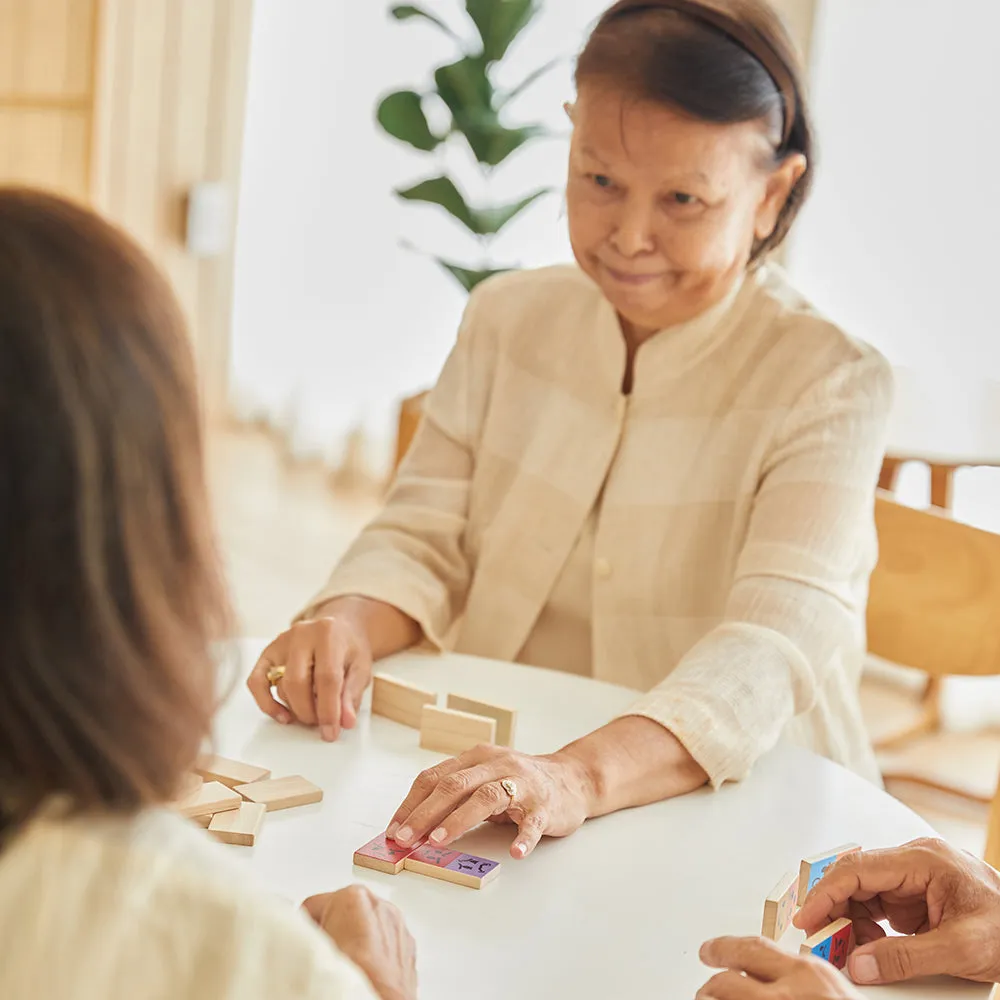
[[780, 185]]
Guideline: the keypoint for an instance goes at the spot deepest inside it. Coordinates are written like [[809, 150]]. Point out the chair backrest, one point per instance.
[[934, 602]]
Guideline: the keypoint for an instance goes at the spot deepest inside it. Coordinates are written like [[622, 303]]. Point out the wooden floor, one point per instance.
[[283, 527]]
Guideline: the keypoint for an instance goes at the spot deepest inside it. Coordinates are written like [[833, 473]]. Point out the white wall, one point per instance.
[[333, 322], [902, 241]]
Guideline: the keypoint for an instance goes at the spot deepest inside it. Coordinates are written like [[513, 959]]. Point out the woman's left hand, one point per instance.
[[757, 969], [551, 797]]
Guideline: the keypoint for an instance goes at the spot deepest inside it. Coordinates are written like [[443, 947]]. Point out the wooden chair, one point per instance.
[[935, 605]]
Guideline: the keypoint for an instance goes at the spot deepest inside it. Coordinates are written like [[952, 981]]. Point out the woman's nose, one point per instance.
[[634, 235]]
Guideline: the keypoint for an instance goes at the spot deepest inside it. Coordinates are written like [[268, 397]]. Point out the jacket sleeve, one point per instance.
[[800, 586]]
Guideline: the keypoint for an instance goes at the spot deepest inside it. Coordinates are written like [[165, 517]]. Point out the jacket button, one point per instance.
[[603, 569]]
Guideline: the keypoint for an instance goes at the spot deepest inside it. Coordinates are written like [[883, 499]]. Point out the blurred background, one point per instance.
[[248, 145]]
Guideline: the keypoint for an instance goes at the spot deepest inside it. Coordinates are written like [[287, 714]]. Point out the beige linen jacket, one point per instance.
[[734, 507]]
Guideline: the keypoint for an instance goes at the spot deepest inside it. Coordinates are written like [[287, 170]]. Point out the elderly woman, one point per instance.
[[655, 467], [110, 598]]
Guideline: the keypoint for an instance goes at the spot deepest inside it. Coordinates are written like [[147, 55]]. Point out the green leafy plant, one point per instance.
[[476, 109]]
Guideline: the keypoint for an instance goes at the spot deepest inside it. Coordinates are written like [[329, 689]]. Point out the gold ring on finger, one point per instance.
[[509, 785], [274, 674]]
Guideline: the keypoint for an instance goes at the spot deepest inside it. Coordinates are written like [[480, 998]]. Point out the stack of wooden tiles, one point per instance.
[[834, 943], [230, 798], [465, 723], [442, 863]]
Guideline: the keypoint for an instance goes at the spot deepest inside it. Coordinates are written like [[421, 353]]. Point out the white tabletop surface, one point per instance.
[[620, 909]]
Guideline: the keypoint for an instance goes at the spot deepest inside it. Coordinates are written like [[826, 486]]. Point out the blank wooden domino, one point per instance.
[[281, 793], [230, 772], [400, 701], [208, 799], [382, 855], [813, 869], [452, 866], [833, 944], [506, 719], [779, 907], [451, 732], [239, 826]]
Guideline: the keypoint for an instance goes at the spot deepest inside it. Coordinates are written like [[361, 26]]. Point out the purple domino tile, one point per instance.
[[469, 864]]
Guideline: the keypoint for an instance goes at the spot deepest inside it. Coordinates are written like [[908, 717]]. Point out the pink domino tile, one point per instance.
[[439, 857], [382, 855]]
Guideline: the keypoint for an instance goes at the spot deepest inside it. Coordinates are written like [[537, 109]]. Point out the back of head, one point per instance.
[[720, 61], [109, 586]]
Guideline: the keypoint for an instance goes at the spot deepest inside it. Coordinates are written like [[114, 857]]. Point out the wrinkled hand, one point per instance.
[[328, 666], [373, 935], [448, 800], [947, 901], [757, 969]]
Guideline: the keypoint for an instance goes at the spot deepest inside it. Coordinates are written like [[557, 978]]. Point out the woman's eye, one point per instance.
[[601, 180], [682, 198]]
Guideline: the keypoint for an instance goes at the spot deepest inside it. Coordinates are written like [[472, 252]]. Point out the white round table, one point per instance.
[[619, 909]]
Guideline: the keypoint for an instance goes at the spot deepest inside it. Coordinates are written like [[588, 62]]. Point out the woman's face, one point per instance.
[[663, 209]]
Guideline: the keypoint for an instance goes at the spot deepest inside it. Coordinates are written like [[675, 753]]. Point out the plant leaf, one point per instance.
[[466, 88], [402, 115], [528, 81], [441, 191], [406, 12], [467, 278], [489, 221], [499, 22]]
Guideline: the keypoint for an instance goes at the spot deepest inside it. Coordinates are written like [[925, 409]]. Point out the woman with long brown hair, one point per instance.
[[110, 597], [655, 467]]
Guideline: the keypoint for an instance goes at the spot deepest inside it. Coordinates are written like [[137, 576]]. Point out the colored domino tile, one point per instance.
[[382, 855], [779, 907], [281, 793], [833, 944], [452, 866], [813, 869]]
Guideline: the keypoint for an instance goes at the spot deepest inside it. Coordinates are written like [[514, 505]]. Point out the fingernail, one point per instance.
[[404, 835], [439, 834], [391, 832], [864, 969], [283, 717], [328, 733], [520, 850]]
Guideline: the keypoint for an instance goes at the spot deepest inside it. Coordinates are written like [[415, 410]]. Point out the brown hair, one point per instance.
[[110, 592], [723, 61]]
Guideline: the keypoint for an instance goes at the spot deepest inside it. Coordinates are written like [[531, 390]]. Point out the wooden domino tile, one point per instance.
[[833, 944], [779, 907], [813, 869], [382, 855], [400, 701], [452, 866], [230, 772], [238, 826], [452, 733], [281, 793], [506, 719], [208, 799]]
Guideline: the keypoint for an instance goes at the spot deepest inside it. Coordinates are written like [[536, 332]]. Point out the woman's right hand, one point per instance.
[[328, 666], [945, 901], [373, 935]]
